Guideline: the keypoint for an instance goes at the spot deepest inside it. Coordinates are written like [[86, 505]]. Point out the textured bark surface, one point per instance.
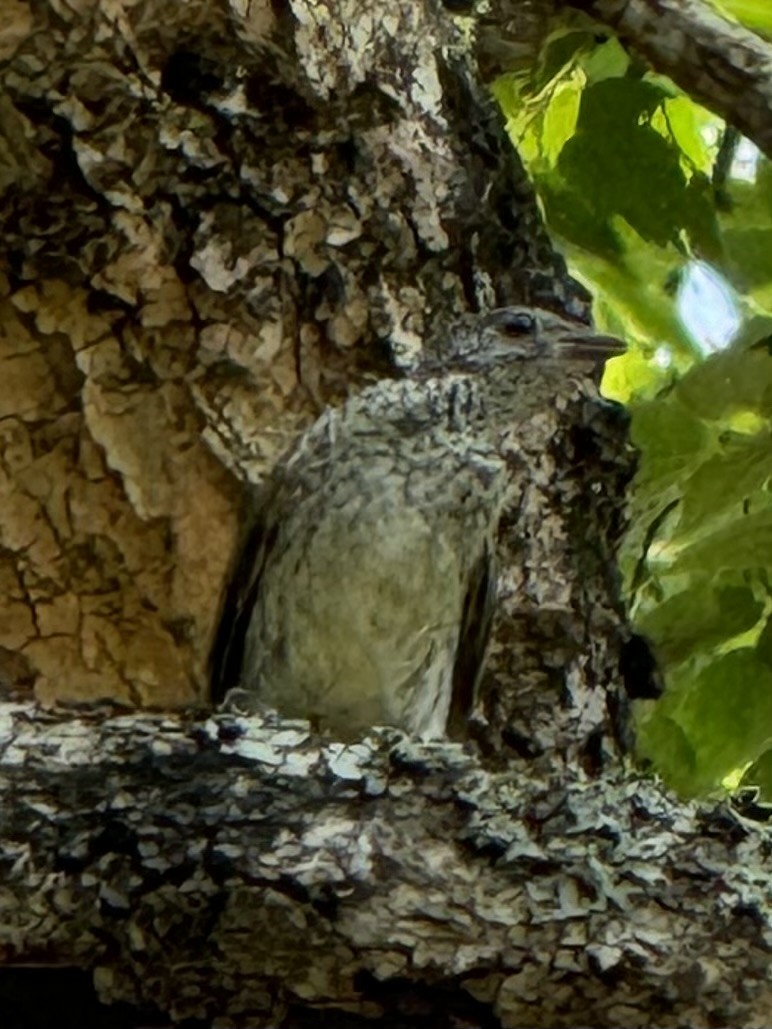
[[234, 866], [717, 62], [215, 220]]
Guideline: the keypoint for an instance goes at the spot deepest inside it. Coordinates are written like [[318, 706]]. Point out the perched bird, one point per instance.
[[365, 591]]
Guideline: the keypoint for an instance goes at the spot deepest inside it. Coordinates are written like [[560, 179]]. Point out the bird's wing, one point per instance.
[[227, 653], [476, 619]]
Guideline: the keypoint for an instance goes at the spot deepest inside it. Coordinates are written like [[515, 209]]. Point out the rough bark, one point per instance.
[[234, 866], [717, 62], [216, 219]]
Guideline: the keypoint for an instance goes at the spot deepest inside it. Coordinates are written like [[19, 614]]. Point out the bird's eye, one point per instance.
[[518, 323]]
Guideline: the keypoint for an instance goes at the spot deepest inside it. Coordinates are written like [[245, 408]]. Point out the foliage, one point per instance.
[[640, 188], [755, 14]]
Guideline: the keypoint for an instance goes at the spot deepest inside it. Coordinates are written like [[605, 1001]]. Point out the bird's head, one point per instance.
[[519, 334]]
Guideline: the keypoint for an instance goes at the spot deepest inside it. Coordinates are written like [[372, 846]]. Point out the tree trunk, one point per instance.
[[216, 222]]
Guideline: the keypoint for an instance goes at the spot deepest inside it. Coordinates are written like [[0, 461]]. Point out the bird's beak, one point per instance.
[[588, 346]]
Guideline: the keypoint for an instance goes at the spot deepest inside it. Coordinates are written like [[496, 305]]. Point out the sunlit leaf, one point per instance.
[[560, 117], [688, 122], [756, 14], [608, 61]]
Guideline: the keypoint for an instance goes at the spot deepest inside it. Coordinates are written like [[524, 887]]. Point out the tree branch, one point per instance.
[[717, 62], [235, 865]]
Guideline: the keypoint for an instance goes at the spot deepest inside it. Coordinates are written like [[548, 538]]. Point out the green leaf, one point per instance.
[[633, 282], [620, 166], [756, 14], [559, 53], [759, 774], [661, 740], [618, 104], [671, 439], [700, 617], [631, 376], [726, 481], [687, 122], [560, 116], [730, 381], [764, 643], [749, 256], [573, 218], [745, 543], [623, 163], [725, 710], [750, 202], [610, 60]]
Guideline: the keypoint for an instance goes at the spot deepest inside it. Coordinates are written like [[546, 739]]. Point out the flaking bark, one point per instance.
[[218, 219], [231, 867]]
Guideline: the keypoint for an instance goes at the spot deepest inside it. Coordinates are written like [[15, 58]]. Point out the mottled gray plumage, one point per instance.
[[365, 591]]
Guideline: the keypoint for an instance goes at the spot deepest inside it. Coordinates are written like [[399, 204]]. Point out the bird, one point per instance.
[[365, 588]]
